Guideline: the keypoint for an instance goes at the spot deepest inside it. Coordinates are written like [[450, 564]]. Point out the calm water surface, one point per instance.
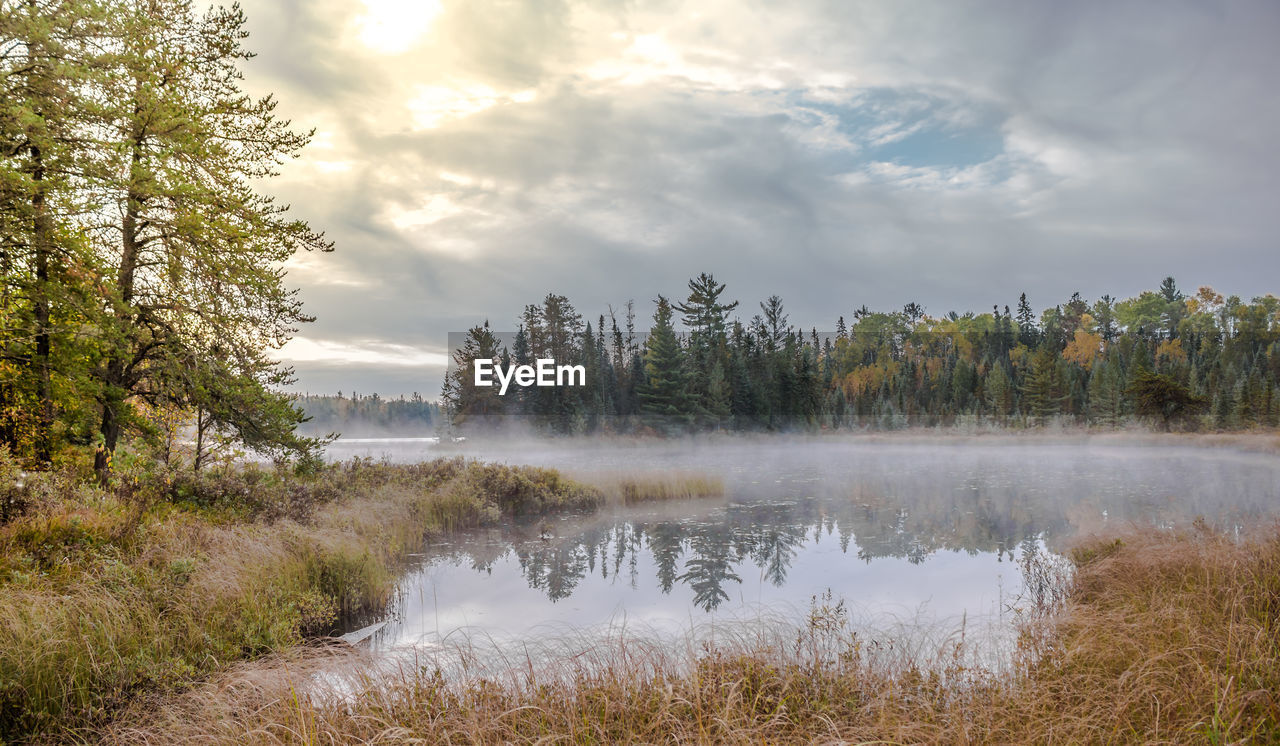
[[903, 532]]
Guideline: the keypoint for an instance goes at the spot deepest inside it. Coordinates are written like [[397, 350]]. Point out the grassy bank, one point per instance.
[[106, 595], [1163, 638]]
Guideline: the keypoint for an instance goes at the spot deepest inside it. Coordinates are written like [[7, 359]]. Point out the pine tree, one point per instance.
[[703, 311], [1028, 332], [706, 316], [561, 337], [775, 326], [521, 398], [195, 277], [1042, 390], [719, 399], [1104, 317], [1162, 396], [462, 399], [1105, 394], [1175, 308], [664, 392], [998, 391]]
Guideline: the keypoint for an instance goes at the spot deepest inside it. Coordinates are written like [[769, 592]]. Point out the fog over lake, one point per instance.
[[905, 531]]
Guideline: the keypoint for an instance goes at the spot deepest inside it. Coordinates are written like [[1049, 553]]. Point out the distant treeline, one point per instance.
[[367, 415], [1163, 357]]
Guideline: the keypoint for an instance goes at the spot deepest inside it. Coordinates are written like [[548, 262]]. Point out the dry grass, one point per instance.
[[1167, 638], [105, 596], [636, 488], [1163, 638]]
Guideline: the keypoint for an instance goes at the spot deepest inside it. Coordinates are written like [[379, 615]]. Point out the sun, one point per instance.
[[392, 26]]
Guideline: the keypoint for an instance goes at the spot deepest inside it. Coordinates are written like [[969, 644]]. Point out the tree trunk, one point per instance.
[[8, 429], [115, 377], [110, 430], [201, 423], [40, 302]]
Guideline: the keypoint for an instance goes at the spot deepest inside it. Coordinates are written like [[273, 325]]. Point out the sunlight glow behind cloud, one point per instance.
[[392, 26], [303, 349], [434, 105]]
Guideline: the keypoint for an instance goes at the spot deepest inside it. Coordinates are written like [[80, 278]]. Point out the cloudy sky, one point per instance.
[[472, 156]]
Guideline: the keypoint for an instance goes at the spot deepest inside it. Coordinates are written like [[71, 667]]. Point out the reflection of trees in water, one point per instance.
[[770, 539], [882, 513], [706, 554], [666, 542], [972, 516], [767, 534], [879, 503], [557, 569], [710, 566]]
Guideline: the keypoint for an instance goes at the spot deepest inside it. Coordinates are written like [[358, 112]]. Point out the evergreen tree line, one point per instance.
[[1163, 358], [142, 284], [367, 415]]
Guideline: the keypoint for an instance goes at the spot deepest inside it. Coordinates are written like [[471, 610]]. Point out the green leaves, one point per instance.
[[140, 257], [1161, 395], [664, 390]]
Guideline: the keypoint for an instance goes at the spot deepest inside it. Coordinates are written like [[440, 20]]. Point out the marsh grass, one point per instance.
[[109, 595], [1159, 638], [636, 488], [733, 683]]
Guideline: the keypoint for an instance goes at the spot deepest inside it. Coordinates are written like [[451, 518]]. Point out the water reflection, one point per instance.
[[895, 528], [708, 552]]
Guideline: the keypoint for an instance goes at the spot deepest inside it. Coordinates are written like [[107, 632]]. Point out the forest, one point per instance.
[[367, 415], [1164, 358]]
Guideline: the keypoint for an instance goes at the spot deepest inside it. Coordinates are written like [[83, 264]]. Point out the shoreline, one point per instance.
[[1261, 441], [154, 588], [1162, 637]]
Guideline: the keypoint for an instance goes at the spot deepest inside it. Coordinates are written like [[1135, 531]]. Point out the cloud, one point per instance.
[[835, 153], [307, 350]]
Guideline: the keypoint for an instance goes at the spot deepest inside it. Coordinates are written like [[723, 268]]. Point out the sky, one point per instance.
[[472, 156]]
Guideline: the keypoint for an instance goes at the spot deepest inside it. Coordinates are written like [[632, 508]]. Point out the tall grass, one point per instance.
[[1160, 639], [106, 596], [631, 488]]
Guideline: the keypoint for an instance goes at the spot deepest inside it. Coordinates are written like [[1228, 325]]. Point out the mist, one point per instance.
[[902, 526]]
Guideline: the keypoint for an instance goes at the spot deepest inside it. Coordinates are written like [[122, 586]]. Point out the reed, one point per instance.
[[636, 488]]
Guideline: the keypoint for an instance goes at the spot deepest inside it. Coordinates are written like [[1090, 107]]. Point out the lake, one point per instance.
[[923, 534]]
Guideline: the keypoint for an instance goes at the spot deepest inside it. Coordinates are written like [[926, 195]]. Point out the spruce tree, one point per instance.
[[1042, 390], [998, 391], [1028, 332], [462, 399], [706, 316], [1105, 394], [664, 392]]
